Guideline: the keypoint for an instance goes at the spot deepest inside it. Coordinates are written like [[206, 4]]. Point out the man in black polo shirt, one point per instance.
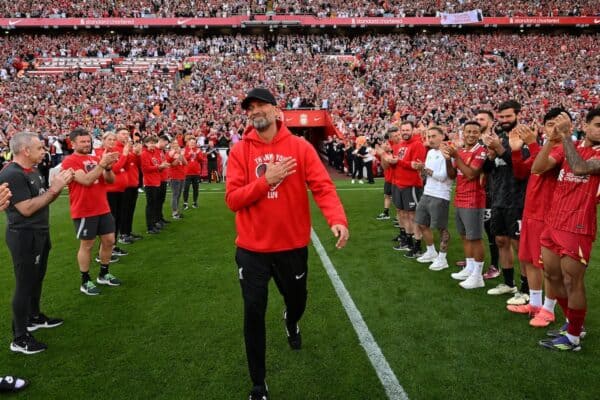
[[28, 237]]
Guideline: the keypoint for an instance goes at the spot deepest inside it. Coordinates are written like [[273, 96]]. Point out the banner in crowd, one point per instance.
[[289, 21], [463, 18]]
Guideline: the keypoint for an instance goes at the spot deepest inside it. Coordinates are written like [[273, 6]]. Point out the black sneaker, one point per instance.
[[259, 392], [42, 321], [159, 225], [135, 236], [402, 246], [119, 252], [413, 253], [382, 216], [113, 259], [125, 239], [293, 334], [152, 231], [185, 206], [195, 205], [27, 345]]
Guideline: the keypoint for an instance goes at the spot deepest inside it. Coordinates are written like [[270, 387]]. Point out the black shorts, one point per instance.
[[506, 222], [387, 188], [89, 227], [406, 199]]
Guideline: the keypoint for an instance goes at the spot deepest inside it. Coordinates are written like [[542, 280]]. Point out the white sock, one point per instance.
[[535, 298], [478, 267], [431, 249], [549, 304], [442, 255], [470, 265], [573, 339]]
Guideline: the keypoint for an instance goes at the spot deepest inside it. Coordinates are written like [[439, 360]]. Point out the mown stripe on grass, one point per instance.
[[388, 379]]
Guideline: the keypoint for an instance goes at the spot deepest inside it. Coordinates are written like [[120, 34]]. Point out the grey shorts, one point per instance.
[[469, 222], [90, 227], [432, 212], [387, 188], [406, 199]]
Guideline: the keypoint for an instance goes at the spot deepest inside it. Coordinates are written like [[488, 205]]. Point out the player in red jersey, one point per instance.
[[152, 165], [407, 186], [178, 163], [89, 208], [194, 156], [383, 150], [571, 228], [469, 201], [537, 201]]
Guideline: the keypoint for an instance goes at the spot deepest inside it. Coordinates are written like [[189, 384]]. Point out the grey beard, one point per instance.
[[261, 124]]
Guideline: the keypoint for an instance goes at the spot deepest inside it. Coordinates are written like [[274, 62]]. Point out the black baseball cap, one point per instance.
[[261, 94]]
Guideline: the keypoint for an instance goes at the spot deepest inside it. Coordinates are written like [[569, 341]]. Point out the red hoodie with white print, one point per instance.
[[277, 218]]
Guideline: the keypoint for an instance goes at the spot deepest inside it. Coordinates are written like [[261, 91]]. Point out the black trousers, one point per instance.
[[29, 250], [289, 269], [115, 202], [212, 167], [152, 204], [494, 252], [161, 199], [193, 180], [369, 166], [128, 203]]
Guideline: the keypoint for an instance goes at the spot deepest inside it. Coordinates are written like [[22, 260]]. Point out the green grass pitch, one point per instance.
[[174, 329]]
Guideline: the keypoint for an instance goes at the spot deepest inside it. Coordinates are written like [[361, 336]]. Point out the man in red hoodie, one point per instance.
[[267, 176], [407, 187]]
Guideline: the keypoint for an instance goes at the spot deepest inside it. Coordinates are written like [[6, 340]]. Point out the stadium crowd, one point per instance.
[[415, 91], [440, 78], [322, 9]]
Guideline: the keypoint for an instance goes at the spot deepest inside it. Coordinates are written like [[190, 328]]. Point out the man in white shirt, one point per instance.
[[432, 210]]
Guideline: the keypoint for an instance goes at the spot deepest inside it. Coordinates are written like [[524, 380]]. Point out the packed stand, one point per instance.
[[322, 9], [438, 79]]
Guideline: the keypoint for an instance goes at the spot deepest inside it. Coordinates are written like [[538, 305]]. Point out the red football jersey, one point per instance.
[[573, 207], [540, 189], [86, 201], [470, 193]]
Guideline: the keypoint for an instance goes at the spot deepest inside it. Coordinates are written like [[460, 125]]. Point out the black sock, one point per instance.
[[509, 276], [403, 234], [103, 270], [386, 211], [524, 285], [410, 240], [417, 246], [85, 277]]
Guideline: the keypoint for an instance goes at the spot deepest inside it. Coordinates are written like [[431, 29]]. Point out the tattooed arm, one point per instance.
[[577, 164]]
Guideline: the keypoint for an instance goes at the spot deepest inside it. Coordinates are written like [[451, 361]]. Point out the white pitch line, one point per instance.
[[388, 379]]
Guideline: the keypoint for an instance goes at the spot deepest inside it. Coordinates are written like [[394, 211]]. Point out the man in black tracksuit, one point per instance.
[[28, 237], [508, 197]]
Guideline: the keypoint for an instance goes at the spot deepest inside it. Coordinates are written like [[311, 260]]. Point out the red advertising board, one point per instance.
[[284, 20]]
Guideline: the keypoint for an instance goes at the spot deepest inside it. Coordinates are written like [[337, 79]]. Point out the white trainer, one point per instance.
[[519, 299], [502, 289], [439, 264], [462, 274], [473, 282], [428, 257]]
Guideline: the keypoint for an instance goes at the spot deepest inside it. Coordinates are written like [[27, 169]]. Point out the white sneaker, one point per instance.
[[519, 299], [462, 274], [353, 182], [439, 264], [361, 182], [428, 257], [502, 289], [473, 282]]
